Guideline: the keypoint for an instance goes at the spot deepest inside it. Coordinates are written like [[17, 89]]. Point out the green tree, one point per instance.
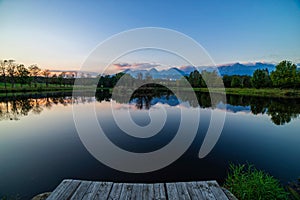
[[227, 80], [61, 77], [195, 79], [34, 71], [46, 74], [246, 81], [3, 71], [261, 78], [211, 79], [285, 75], [22, 74], [236, 82], [12, 70]]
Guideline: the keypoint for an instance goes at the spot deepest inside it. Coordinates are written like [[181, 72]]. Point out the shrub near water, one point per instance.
[[246, 182]]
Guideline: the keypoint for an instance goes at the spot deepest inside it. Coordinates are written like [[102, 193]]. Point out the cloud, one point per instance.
[[122, 65], [135, 66]]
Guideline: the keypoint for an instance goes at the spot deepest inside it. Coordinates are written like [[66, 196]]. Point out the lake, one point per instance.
[[39, 144]]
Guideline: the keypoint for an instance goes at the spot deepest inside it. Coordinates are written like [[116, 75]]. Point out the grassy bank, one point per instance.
[[266, 92], [38, 88], [248, 183]]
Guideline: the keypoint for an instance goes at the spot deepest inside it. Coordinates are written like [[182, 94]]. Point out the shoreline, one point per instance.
[[266, 92]]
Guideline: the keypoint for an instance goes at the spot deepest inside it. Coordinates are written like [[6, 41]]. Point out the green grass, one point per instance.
[[17, 89], [263, 92], [248, 183]]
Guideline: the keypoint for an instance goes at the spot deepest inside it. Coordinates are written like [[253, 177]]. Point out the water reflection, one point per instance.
[[281, 111]]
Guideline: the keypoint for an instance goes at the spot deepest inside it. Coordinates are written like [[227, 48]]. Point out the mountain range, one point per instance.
[[176, 73]]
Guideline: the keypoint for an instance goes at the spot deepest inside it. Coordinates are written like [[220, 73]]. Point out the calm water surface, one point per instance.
[[39, 145]]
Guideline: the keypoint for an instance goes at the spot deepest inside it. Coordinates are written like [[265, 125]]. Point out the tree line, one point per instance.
[[285, 75], [12, 73]]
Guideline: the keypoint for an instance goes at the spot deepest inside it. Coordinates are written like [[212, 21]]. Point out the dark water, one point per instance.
[[39, 144]]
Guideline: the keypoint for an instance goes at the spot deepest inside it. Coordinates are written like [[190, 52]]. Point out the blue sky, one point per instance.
[[61, 34]]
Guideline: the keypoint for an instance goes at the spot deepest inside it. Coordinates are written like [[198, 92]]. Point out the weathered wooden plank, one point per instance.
[[216, 190], [69, 190], [137, 192], [148, 192], [182, 191], [59, 189], [159, 191], [103, 190], [126, 191], [81, 190], [206, 192], [115, 191], [172, 191], [194, 191], [75, 190], [91, 191]]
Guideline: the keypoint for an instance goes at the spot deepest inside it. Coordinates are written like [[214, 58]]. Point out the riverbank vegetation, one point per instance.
[[248, 183]]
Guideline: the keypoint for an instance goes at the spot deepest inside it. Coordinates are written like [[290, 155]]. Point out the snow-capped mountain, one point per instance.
[[244, 69], [176, 73], [171, 74]]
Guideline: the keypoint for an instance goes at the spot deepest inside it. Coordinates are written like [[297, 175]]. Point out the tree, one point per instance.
[[227, 80], [3, 71], [61, 77], [246, 81], [211, 79], [261, 78], [46, 74], [285, 75], [195, 79], [148, 76], [22, 74], [236, 82], [11, 70], [54, 79], [34, 71]]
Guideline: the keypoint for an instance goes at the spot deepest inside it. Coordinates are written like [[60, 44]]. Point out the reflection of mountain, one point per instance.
[[170, 100], [234, 109], [164, 99]]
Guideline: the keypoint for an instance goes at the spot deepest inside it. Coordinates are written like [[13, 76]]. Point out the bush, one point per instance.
[[246, 182]]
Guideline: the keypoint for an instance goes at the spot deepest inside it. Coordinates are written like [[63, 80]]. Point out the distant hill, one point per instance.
[[229, 69], [171, 74], [244, 69]]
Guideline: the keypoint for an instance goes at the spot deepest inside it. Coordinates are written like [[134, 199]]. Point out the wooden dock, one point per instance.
[[78, 189]]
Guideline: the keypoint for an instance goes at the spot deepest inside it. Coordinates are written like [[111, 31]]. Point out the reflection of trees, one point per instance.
[[143, 98], [259, 105], [103, 95], [15, 107], [281, 111]]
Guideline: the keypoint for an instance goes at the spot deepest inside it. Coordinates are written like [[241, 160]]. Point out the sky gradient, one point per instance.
[[61, 34]]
